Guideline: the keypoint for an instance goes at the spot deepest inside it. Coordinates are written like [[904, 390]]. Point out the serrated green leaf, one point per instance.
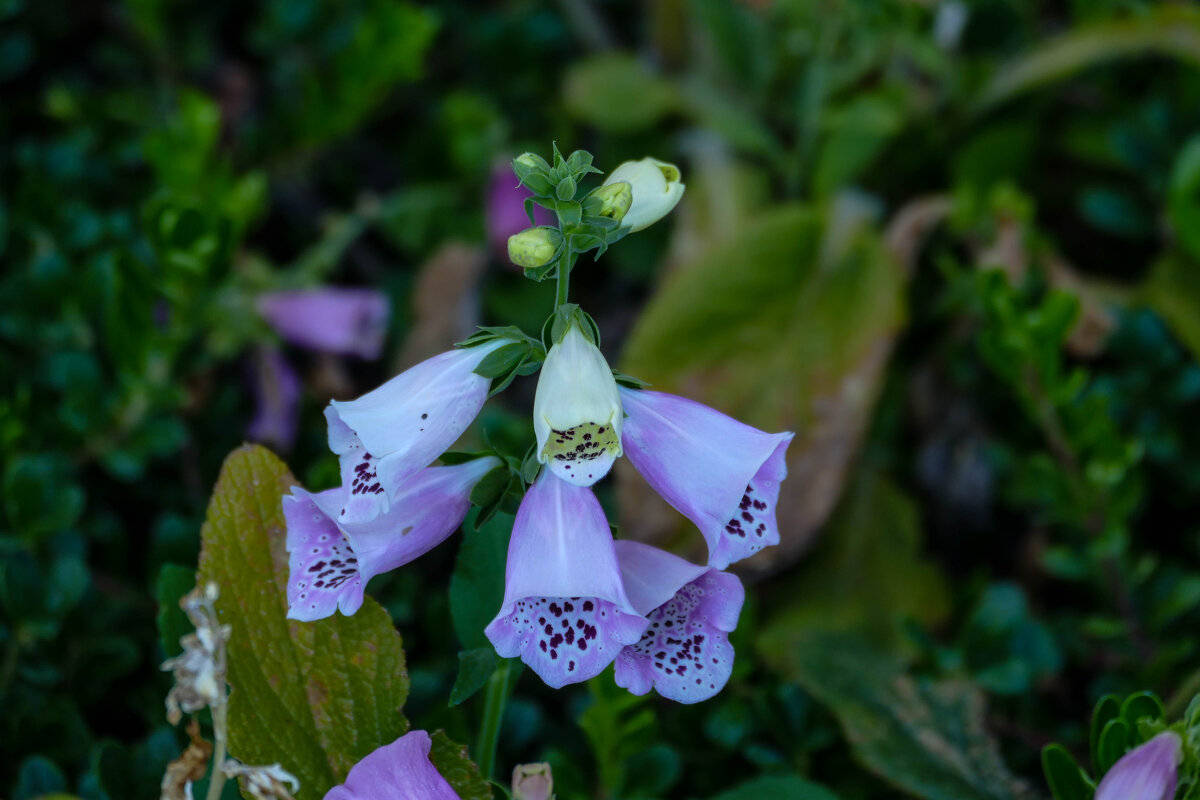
[[477, 586], [174, 581], [1067, 781], [474, 668], [1114, 741], [777, 788], [315, 697], [456, 766], [927, 738]]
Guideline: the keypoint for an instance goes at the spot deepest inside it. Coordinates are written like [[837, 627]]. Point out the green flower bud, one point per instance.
[[565, 189], [534, 173], [534, 247], [611, 200]]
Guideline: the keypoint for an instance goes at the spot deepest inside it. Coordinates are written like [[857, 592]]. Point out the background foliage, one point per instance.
[[955, 245]]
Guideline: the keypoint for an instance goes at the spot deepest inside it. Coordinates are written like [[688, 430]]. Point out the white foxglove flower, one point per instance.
[[656, 190], [577, 411]]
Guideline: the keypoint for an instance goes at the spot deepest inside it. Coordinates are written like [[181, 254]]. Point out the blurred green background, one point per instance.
[[953, 244]]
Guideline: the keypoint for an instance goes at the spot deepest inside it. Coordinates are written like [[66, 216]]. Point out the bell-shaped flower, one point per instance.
[[331, 320], [1147, 772], [329, 563], [656, 190], [685, 652], [565, 612], [577, 411], [397, 771], [719, 473], [389, 434], [277, 391]]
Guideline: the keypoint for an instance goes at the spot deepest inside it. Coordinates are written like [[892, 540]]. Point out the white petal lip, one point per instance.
[[654, 194]]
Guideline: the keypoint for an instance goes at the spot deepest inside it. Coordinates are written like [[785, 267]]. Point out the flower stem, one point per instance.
[[499, 686], [565, 264], [216, 780]]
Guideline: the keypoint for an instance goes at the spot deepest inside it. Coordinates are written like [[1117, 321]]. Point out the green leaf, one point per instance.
[[1138, 707], [1067, 781], [491, 486], [502, 360], [314, 696], [477, 586], [854, 135], [173, 583], [1173, 290], [1107, 708], [867, 574], [474, 668], [927, 738], [1183, 197], [777, 788], [1164, 30], [458, 769], [616, 93], [1114, 741], [818, 300]]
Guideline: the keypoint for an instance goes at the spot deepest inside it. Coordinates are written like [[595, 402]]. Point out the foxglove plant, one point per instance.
[[574, 601]]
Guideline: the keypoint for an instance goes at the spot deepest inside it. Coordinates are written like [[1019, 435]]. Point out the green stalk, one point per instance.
[[499, 686], [565, 264]]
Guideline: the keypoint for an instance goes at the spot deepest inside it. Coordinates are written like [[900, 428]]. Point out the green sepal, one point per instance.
[[1114, 741], [530, 466], [1107, 708], [1066, 779], [1138, 707], [491, 486], [565, 190], [568, 314], [628, 380], [502, 360], [570, 213]]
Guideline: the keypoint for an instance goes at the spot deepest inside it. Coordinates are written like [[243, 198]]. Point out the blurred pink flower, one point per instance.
[[329, 320], [506, 210]]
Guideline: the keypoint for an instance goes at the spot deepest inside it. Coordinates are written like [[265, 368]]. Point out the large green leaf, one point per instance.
[[867, 575], [314, 696], [1171, 30], [927, 738], [786, 327]]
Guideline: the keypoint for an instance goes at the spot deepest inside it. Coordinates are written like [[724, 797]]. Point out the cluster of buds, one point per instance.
[[635, 196], [200, 668]]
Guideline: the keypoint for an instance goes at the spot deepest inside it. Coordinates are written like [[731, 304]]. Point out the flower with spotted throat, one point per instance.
[[330, 562], [389, 434], [565, 612], [577, 410], [684, 654], [721, 474]]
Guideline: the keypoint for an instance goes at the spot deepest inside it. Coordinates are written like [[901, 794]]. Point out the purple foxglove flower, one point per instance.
[[565, 612], [577, 411], [397, 771], [685, 652], [329, 564], [331, 320], [277, 397], [722, 475], [388, 434], [1147, 772], [506, 210]]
